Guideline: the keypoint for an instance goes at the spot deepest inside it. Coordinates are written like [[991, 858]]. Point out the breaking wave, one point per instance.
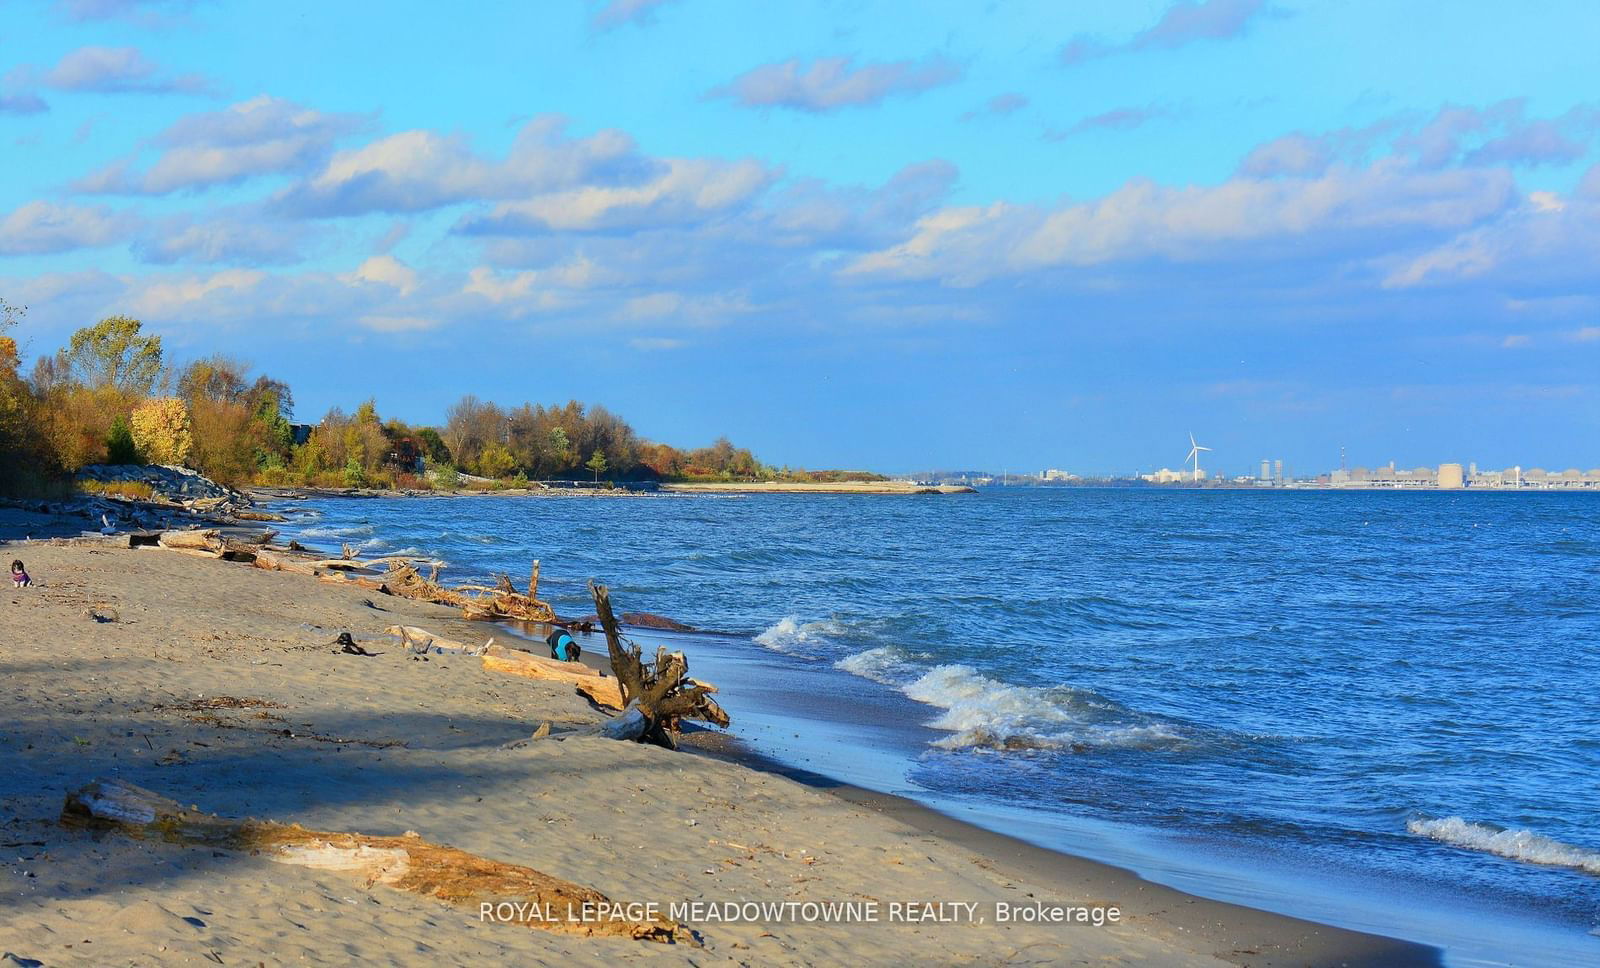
[[793, 636], [1523, 845], [329, 531], [985, 713], [889, 664]]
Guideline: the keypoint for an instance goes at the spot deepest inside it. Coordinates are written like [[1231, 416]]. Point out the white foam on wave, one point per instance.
[[329, 531], [888, 664], [984, 712], [1523, 845], [793, 636]]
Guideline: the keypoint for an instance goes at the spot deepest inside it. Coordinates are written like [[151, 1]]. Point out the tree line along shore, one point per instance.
[[112, 396]]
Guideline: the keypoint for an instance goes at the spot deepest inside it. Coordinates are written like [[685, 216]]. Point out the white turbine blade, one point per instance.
[[1198, 447]]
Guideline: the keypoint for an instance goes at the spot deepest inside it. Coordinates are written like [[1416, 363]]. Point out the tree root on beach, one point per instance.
[[406, 863], [654, 697]]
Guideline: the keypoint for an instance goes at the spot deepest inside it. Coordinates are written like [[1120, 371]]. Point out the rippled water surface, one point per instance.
[[1285, 695]]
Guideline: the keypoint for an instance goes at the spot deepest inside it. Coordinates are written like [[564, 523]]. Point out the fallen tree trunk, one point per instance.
[[208, 540], [603, 689], [274, 560], [406, 863]]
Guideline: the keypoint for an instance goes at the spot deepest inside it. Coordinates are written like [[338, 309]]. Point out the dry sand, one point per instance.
[[389, 744]]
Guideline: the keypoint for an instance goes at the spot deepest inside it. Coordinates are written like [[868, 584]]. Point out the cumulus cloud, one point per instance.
[[1183, 23], [113, 70], [812, 212], [415, 171], [1501, 134], [40, 227], [385, 270], [264, 135], [831, 83], [162, 297], [1144, 220], [1292, 154], [615, 13], [686, 192]]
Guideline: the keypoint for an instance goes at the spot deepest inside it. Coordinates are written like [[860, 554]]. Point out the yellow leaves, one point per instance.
[[162, 431]]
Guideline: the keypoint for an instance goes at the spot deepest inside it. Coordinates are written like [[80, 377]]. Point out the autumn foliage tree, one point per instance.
[[161, 431]]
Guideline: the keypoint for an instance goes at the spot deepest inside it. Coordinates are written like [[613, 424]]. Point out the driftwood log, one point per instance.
[[406, 863], [475, 601], [208, 540], [661, 693], [601, 688]]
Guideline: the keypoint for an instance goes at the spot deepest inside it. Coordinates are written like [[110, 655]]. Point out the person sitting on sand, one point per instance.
[[562, 645], [19, 575]]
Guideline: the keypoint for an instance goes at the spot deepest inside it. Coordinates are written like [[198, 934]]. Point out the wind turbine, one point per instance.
[[1194, 455]]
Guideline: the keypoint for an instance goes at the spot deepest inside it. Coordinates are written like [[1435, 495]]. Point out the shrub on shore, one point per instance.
[[129, 490]]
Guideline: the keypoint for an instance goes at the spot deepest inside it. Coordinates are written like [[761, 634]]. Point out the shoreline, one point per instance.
[[899, 488], [1260, 937], [189, 626]]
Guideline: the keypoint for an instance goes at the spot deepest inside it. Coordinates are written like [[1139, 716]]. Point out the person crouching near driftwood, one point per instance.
[[19, 575], [562, 645]]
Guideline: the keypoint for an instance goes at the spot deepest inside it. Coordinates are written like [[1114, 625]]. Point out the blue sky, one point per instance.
[[894, 235]]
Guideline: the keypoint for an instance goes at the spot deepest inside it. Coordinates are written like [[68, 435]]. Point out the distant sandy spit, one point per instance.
[[218, 685], [842, 487]]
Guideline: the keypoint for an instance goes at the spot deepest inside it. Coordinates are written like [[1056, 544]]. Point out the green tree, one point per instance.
[[112, 355], [560, 448], [597, 463], [433, 447], [120, 448]]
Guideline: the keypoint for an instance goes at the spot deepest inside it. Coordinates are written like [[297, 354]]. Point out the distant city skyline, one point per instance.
[[878, 235]]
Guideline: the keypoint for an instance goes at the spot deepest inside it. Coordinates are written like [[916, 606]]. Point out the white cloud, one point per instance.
[[116, 70], [830, 83], [40, 227], [688, 191], [656, 344], [385, 270], [398, 324], [162, 297], [418, 170], [264, 135], [1143, 220]]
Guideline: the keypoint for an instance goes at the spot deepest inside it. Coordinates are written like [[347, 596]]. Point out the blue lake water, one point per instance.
[[1373, 708]]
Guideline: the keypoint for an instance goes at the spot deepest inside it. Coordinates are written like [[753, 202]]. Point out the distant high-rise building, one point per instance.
[[1450, 477], [1266, 470], [1472, 470], [1277, 470]]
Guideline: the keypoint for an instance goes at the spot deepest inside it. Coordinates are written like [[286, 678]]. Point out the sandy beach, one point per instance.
[[218, 685]]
